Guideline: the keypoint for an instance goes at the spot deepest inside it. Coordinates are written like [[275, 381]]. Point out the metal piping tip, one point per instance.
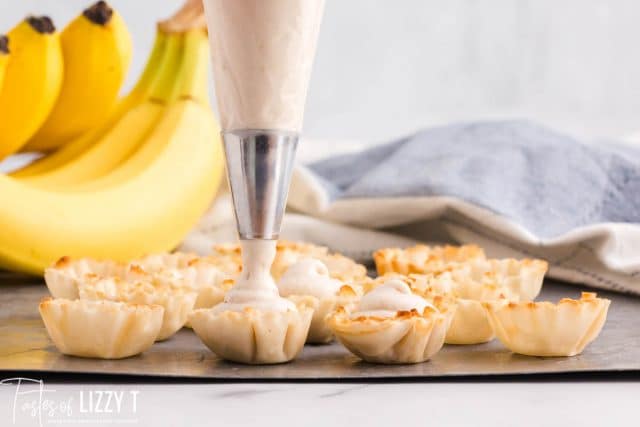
[[259, 167]]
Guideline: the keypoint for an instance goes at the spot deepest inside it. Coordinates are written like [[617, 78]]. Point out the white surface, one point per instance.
[[385, 68], [426, 404]]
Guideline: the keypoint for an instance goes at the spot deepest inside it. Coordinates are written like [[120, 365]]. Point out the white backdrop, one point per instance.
[[388, 67]]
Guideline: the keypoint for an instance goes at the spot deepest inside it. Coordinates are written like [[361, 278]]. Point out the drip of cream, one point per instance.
[[386, 300], [308, 276], [255, 287]]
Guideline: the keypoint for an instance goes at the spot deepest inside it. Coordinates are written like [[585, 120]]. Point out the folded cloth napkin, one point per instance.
[[513, 187]]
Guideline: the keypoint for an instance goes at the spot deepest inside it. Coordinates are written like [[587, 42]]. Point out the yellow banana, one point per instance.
[[96, 47], [192, 84], [149, 213], [4, 57], [125, 136], [78, 145], [32, 82]]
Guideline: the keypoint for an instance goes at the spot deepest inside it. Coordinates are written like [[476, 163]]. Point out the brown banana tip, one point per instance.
[[100, 13], [42, 24], [190, 16], [4, 44]]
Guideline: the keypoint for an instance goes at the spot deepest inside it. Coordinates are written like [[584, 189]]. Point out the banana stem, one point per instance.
[[42, 24], [190, 16], [100, 13], [4, 44]]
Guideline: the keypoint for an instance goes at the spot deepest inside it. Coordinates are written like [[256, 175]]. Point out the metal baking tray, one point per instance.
[[25, 346]]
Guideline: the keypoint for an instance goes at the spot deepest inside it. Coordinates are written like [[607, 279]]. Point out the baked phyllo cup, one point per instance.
[[211, 295], [422, 259], [319, 331], [207, 281], [189, 270], [408, 337], [100, 329], [177, 303], [252, 336], [343, 268], [547, 329], [470, 324], [161, 261], [288, 253], [227, 257], [523, 277], [62, 276]]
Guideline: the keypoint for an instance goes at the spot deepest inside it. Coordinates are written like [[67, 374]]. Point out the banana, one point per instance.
[[78, 145], [96, 47], [192, 84], [32, 82], [149, 213], [4, 57], [125, 136], [146, 211]]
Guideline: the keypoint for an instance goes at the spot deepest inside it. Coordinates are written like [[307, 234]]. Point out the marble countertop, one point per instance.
[[548, 403]]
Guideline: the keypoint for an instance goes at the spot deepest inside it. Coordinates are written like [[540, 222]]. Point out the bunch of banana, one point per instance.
[[96, 49], [58, 86], [134, 184]]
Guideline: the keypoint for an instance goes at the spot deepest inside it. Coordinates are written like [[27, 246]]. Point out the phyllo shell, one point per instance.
[[409, 337], [470, 324], [62, 277], [523, 277], [160, 261], [101, 329], [227, 257], [198, 275], [319, 331], [547, 329], [288, 253], [252, 336], [343, 268], [192, 271], [177, 303], [422, 259]]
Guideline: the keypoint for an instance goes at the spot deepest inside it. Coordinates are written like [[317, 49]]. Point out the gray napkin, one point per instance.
[[548, 182]]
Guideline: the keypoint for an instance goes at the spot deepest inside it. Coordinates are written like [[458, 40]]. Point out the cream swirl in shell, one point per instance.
[[308, 276], [389, 298], [255, 288]]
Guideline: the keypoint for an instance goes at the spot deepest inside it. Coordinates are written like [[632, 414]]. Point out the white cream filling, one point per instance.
[[255, 287], [308, 276], [389, 298]]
